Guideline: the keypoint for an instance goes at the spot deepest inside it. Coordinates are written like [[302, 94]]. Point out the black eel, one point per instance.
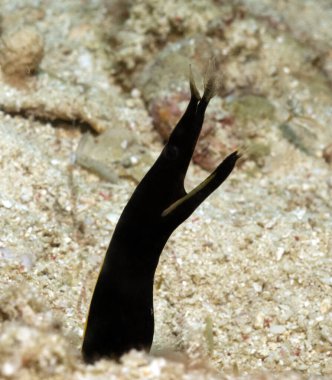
[[121, 311]]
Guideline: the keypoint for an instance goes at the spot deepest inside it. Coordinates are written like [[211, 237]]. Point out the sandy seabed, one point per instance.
[[243, 289]]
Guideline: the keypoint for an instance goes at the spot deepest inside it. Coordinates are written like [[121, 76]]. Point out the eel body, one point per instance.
[[121, 311]]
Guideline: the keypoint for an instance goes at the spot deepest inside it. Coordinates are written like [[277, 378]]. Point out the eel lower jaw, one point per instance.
[[202, 187]]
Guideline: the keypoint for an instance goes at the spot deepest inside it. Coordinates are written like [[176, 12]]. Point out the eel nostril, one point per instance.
[[172, 152]]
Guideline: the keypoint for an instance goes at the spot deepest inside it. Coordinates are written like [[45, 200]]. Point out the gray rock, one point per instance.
[[113, 154]]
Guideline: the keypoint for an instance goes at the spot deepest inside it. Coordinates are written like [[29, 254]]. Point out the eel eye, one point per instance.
[[172, 152]]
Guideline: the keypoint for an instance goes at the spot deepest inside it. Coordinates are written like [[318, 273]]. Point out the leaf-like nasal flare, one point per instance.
[[193, 88], [210, 86]]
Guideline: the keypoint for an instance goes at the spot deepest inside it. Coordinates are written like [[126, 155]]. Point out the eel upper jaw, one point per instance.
[[184, 137]]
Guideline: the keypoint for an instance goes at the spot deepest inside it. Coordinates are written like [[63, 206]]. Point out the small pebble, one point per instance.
[[6, 203], [277, 329], [6, 253], [26, 196], [279, 253], [257, 287], [112, 217], [8, 369]]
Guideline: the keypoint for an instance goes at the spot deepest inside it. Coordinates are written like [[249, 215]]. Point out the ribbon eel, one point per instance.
[[121, 311]]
